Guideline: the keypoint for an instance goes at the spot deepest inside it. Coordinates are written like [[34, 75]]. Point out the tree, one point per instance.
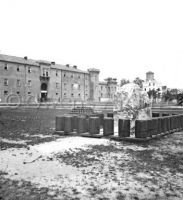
[[169, 95], [123, 81], [152, 94], [180, 99], [139, 82]]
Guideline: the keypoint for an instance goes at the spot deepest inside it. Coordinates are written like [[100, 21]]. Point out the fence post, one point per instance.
[[149, 128], [81, 124], [163, 125], [172, 124], [159, 126], [124, 128], [68, 124], [108, 126], [74, 122], [94, 125], [179, 123], [176, 123], [141, 128], [168, 124], [101, 117], [59, 123], [154, 126]]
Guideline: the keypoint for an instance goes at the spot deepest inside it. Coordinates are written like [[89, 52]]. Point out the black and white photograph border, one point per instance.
[[91, 97]]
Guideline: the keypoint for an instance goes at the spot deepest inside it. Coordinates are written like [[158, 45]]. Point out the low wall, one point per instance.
[[96, 106], [144, 129]]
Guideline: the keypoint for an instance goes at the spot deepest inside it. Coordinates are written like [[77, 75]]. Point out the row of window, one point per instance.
[[72, 95], [6, 82], [29, 93], [153, 84], [146, 89], [74, 86], [72, 76], [18, 92], [45, 71], [6, 67], [108, 87], [29, 83]]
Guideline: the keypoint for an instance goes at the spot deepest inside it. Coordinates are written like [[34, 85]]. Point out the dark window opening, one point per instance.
[[29, 69], [6, 67], [6, 82], [5, 93]]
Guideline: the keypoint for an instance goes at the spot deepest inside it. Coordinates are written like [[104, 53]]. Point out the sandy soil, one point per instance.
[[88, 168]]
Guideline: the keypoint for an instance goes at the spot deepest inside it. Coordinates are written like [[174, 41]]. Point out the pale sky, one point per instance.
[[122, 38]]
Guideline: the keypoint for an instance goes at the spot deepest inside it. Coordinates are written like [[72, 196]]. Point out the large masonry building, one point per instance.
[[39, 80]]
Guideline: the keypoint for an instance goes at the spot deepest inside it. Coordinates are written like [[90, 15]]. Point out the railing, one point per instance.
[[44, 78]]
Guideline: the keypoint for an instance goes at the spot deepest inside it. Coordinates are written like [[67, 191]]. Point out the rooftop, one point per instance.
[[26, 61], [149, 72], [18, 60]]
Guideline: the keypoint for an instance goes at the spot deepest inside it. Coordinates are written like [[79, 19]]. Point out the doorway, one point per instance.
[[44, 92]]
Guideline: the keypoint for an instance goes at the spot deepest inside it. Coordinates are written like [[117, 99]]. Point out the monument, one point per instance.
[[131, 102]]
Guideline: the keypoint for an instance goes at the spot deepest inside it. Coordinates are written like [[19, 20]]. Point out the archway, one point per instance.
[[44, 92]]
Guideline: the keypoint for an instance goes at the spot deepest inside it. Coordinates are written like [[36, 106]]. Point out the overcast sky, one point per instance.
[[122, 38]]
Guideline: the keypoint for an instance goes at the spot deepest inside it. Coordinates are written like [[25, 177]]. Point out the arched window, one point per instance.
[[43, 86]]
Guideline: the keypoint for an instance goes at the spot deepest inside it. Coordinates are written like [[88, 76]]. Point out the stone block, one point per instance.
[[124, 128], [108, 126], [68, 124], [141, 128], [81, 124], [59, 123], [94, 125]]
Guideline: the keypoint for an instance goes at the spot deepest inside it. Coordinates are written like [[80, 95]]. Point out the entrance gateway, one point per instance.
[[44, 92]]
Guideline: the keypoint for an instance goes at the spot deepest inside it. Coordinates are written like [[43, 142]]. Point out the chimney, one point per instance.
[[53, 63], [75, 67], [25, 57]]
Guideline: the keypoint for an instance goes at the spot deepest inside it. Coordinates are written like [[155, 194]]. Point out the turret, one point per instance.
[[149, 76], [94, 82]]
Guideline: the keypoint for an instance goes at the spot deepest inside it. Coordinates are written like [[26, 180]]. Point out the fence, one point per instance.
[[144, 129]]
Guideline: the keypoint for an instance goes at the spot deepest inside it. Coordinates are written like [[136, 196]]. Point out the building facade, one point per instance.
[[107, 89], [151, 84], [38, 80]]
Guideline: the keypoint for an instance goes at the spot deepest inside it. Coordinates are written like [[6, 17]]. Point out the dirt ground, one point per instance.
[[36, 164]]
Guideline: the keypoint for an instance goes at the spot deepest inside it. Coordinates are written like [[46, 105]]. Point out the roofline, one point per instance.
[[69, 69], [38, 62], [37, 65]]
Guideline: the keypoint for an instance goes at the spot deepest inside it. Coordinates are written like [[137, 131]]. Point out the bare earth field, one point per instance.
[[36, 164]]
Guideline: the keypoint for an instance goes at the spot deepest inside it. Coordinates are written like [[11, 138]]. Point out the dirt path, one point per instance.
[[82, 168]]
